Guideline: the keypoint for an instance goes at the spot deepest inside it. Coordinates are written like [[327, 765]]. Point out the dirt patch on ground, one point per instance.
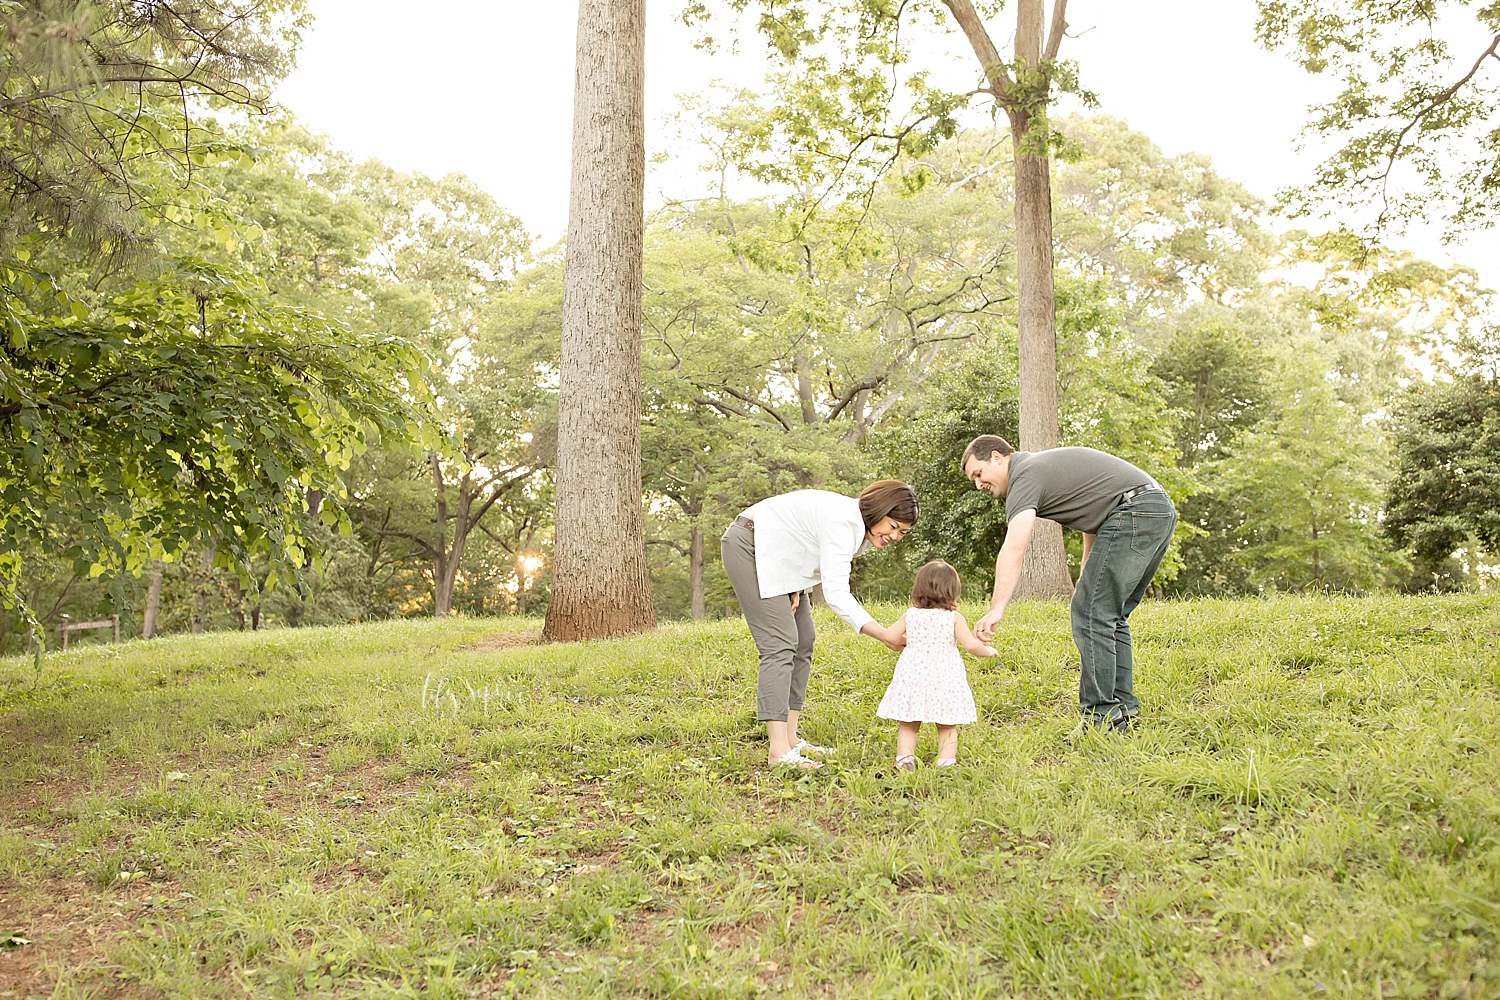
[[66, 929], [505, 640]]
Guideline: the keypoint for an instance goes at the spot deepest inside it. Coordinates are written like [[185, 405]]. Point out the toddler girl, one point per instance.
[[929, 683]]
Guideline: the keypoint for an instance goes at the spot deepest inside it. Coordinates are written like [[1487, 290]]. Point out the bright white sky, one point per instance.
[[486, 89]]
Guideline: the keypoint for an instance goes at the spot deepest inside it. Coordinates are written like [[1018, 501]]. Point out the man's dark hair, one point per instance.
[[888, 498], [983, 447], [937, 586]]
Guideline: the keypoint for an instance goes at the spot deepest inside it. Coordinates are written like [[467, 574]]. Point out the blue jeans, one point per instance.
[[1127, 549]]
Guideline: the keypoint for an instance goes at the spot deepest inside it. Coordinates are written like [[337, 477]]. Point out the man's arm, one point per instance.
[[1007, 570]]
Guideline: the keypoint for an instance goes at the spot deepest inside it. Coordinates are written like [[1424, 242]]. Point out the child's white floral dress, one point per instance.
[[929, 684]]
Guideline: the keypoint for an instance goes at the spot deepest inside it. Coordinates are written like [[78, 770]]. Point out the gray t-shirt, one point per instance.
[[1076, 487]]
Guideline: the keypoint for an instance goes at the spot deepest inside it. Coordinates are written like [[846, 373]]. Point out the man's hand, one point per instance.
[[984, 629]]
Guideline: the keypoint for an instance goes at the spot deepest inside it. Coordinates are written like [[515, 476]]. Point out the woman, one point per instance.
[[790, 543]]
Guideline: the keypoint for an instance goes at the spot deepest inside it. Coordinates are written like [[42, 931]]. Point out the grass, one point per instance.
[[409, 810]]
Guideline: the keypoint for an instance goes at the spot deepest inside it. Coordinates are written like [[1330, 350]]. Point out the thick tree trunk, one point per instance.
[[600, 584], [1044, 570], [153, 601]]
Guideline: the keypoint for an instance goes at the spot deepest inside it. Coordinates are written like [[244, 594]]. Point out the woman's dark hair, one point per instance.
[[888, 498], [983, 447], [937, 586]]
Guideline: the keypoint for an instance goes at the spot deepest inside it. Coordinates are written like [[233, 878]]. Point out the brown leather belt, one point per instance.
[[744, 522]]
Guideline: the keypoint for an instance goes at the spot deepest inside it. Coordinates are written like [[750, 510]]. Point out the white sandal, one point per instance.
[[804, 747], [792, 758]]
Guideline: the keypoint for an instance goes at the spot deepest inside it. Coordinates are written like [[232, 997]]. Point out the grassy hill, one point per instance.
[[445, 809]]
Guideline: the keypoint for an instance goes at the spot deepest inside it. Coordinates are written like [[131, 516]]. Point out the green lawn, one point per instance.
[[414, 809]]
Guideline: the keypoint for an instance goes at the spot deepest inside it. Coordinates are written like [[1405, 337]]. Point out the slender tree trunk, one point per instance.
[[600, 582], [200, 600], [446, 567], [803, 365], [443, 576], [153, 601], [695, 572]]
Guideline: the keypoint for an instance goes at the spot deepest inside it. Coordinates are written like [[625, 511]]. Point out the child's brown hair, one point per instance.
[[937, 586]]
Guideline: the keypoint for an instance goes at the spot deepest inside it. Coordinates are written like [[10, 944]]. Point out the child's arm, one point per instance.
[[897, 630], [966, 640]]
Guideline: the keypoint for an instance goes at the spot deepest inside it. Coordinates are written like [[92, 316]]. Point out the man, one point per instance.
[[1127, 521]]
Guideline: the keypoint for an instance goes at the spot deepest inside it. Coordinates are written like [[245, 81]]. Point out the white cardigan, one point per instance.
[[805, 538]]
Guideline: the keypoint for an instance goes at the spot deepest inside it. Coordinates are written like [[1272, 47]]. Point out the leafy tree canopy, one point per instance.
[[1414, 112], [1446, 485], [89, 91]]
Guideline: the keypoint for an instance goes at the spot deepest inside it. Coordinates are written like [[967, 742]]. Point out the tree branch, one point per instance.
[[1058, 29], [1447, 95], [979, 40], [742, 397]]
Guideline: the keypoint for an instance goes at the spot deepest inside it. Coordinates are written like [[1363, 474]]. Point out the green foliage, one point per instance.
[[95, 99], [1446, 487], [1414, 111], [401, 809], [159, 389], [1304, 489], [1207, 236], [849, 99], [1217, 377], [185, 409], [959, 524]]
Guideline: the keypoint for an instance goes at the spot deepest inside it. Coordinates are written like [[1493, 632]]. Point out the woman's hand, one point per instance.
[[796, 598], [892, 637]]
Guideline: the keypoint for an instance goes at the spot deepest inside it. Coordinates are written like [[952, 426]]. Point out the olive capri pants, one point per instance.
[[784, 638]]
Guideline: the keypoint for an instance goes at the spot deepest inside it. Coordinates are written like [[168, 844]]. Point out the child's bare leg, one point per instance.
[[906, 745], [947, 745], [906, 739]]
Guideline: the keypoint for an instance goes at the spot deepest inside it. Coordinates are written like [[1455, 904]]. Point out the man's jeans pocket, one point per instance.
[[1148, 529]]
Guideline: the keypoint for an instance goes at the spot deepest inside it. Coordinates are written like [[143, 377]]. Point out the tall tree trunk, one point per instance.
[[600, 583], [695, 572], [1044, 571], [446, 566], [153, 601]]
